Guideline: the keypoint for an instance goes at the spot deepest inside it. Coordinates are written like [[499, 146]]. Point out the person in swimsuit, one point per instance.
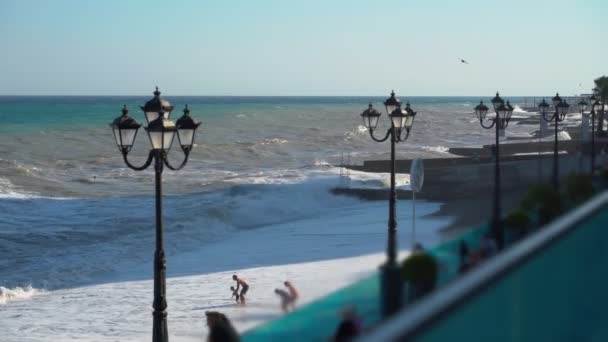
[[240, 283], [293, 293], [285, 299]]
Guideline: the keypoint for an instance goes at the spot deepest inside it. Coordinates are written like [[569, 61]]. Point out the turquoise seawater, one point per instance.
[[66, 194]]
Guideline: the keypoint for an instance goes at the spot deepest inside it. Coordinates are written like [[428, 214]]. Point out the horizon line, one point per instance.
[[144, 95]]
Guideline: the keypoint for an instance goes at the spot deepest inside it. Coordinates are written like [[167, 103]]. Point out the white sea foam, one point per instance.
[[273, 141], [517, 109], [439, 149], [17, 293], [375, 180], [318, 254], [7, 190]]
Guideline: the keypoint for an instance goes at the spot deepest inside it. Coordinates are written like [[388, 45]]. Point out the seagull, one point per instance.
[[463, 61]]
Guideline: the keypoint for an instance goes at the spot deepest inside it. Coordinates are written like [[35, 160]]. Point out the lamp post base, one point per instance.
[[391, 289]]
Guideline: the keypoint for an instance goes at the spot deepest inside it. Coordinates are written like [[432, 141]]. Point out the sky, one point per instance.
[[308, 47]]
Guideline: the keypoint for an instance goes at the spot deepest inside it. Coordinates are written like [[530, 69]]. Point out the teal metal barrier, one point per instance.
[[550, 287], [318, 321]]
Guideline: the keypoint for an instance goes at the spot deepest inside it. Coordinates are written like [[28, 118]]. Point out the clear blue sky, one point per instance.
[[310, 47]]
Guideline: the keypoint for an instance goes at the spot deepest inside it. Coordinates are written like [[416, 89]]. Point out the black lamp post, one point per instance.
[[399, 131], [559, 115], [582, 107], [499, 121], [596, 107], [161, 131]]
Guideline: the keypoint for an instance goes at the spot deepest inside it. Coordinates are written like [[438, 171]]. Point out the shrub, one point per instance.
[[578, 188], [543, 200], [420, 271], [518, 223]]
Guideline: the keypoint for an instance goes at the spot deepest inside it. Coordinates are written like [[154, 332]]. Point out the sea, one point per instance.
[[72, 212]]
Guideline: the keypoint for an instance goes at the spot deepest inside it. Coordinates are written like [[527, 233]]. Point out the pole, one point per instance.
[[392, 220], [592, 141], [496, 224], [159, 330], [539, 164], [390, 281], [413, 217], [555, 161]]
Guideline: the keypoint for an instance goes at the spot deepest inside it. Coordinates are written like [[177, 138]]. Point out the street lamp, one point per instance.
[[500, 122], [582, 107], [559, 115], [161, 132], [399, 131]]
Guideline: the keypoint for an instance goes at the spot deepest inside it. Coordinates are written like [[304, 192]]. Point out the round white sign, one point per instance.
[[416, 175]]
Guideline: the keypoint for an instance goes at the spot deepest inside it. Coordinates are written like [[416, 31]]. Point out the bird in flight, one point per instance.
[[463, 61]]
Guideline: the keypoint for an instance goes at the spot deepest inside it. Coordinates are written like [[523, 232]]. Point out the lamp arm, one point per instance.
[[551, 119], [504, 123], [171, 167], [138, 168], [388, 133], [487, 127], [407, 135]]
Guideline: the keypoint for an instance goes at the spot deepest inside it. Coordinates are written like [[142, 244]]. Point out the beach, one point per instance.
[[319, 255]]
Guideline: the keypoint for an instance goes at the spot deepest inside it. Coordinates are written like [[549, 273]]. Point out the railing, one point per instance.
[[531, 103], [549, 287]]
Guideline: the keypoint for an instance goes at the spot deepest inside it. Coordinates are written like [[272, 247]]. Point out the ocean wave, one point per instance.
[[273, 141], [17, 293], [517, 109], [439, 149], [359, 130], [93, 238], [8, 191]]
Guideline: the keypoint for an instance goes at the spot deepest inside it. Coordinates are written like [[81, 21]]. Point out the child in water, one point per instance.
[[235, 293]]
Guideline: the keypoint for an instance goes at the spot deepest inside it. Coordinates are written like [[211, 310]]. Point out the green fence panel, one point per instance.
[[559, 294]]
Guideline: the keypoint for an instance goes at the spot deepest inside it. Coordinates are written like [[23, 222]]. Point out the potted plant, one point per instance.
[[517, 224], [419, 271], [578, 189], [544, 201]]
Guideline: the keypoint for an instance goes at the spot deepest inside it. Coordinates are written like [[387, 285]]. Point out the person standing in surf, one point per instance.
[[285, 299], [242, 284], [293, 294]]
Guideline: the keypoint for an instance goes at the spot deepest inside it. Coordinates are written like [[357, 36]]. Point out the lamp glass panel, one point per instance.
[[397, 121], [582, 107], [186, 137], [116, 132], [168, 139], [409, 121], [502, 114], [151, 116], [128, 136], [373, 121], [598, 107], [390, 108], [156, 139]]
